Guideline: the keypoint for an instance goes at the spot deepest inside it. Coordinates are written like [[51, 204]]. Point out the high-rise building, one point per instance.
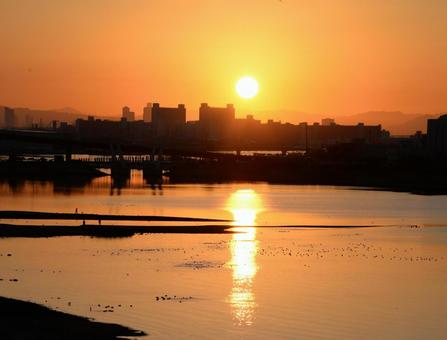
[[10, 119], [167, 120], [128, 115], [209, 114], [437, 135], [147, 113], [28, 121], [216, 122], [327, 122]]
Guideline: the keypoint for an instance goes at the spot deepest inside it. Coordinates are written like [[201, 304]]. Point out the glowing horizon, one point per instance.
[[318, 57]]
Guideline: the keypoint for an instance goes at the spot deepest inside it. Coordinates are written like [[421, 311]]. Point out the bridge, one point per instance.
[[70, 144], [71, 155]]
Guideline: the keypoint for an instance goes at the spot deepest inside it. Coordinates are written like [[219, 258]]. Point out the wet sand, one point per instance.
[[27, 320], [94, 230], [14, 230], [37, 215]]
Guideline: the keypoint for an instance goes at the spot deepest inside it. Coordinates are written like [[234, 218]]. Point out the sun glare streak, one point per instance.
[[244, 205]]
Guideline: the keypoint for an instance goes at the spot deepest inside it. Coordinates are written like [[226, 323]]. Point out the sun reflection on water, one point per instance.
[[244, 205]]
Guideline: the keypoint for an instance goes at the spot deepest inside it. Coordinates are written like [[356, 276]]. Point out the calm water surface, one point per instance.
[[380, 282]]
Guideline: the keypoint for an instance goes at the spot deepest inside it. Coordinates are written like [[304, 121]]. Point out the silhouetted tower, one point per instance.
[[327, 122], [129, 115], [167, 120], [216, 122], [147, 113], [437, 135]]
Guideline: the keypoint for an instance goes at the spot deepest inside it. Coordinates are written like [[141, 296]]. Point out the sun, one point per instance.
[[247, 87]]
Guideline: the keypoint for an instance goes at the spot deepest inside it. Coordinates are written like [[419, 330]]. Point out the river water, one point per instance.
[[385, 281]]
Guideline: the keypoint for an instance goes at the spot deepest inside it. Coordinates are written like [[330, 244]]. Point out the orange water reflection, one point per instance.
[[244, 205]]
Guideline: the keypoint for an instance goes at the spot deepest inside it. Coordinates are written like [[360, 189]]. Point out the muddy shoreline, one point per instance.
[[16, 230], [37, 215], [27, 320], [106, 231]]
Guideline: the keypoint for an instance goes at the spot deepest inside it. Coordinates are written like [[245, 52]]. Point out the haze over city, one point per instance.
[[309, 57]]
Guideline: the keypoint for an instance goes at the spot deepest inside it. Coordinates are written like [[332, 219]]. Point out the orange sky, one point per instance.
[[314, 56]]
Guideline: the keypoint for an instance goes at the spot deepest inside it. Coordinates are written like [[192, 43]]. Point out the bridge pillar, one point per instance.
[[160, 153], [68, 157], [152, 156], [120, 170]]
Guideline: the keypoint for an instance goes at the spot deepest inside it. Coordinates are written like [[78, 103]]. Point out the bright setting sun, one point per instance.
[[247, 87]]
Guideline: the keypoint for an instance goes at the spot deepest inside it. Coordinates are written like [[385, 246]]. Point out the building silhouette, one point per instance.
[[437, 135], [127, 114], [10, 119], [216, 123], [147, 113], [321, 135], [168, 121], [219, 129], [327, 121], [28, 121], [112, 131]]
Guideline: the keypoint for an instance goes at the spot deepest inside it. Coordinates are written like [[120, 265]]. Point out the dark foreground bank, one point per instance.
[[16, 230], [25, 320], [38, 215]]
